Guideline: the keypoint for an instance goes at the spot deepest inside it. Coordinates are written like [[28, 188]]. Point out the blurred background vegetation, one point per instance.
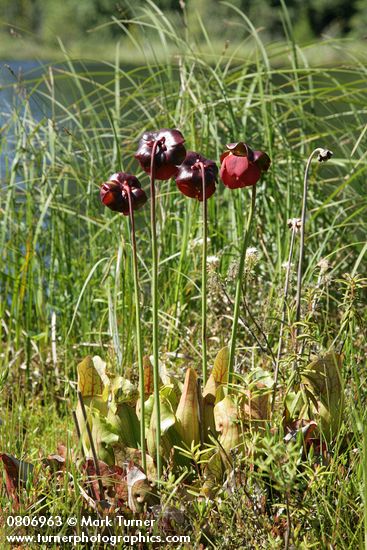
[[32, 28]]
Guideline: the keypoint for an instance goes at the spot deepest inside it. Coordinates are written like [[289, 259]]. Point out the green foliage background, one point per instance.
[[75, 20]]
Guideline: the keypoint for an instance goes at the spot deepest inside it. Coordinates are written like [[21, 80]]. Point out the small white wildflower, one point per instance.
[[287, 265], [212, 261], [252, 252]]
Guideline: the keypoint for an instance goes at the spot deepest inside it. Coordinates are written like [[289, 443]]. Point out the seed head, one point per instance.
[[324, 265], [295, 224], [252, 258]]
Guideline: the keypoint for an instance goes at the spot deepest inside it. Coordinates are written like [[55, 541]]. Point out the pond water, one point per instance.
[[23, 79], [12, 74]]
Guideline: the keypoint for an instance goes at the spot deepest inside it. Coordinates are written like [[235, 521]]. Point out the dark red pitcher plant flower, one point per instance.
[[241, 166], [115, 192], [191, 172], [167, 148]]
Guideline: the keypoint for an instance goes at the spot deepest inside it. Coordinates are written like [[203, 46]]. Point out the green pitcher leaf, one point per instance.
[[124, 391], [323, 379], [187, 412], [213, 473], [126, 424], [227, 424], [104, 435]]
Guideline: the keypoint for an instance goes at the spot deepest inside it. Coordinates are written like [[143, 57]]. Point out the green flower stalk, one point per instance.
[[155, 307], [204, 280], [323, 156], [158, 153], [139, 339], [241, 167], [238, 296], [123, 193], [294, 225], [196, 178]]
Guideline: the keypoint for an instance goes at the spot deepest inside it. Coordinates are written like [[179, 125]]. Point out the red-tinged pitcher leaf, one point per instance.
[[55, 462], [168, 423], [104, 436], [220, 368], [112, 479], [213, 391], [63, 451], [127, 486], [213, 473], [148, 377], [218, 376], [17, 473], [90, 382], [123, 391], [125, 423]]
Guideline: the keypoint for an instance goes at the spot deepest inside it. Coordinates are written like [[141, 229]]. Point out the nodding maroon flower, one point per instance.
[[189, 177], [169, 152], [241, 166], [114, 193]]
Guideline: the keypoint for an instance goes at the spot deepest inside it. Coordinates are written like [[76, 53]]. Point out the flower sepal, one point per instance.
[[169, 152], [189, 176]]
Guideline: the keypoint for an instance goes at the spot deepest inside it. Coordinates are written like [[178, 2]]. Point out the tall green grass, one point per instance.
[[63, 254]]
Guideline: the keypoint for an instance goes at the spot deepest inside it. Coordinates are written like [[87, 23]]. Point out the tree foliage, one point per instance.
[[74, 20]]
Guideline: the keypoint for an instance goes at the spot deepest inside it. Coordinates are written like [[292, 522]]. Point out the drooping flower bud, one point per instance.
[[189, 177], [169, 152], [241, 166], [324, 155], [114, 193]]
